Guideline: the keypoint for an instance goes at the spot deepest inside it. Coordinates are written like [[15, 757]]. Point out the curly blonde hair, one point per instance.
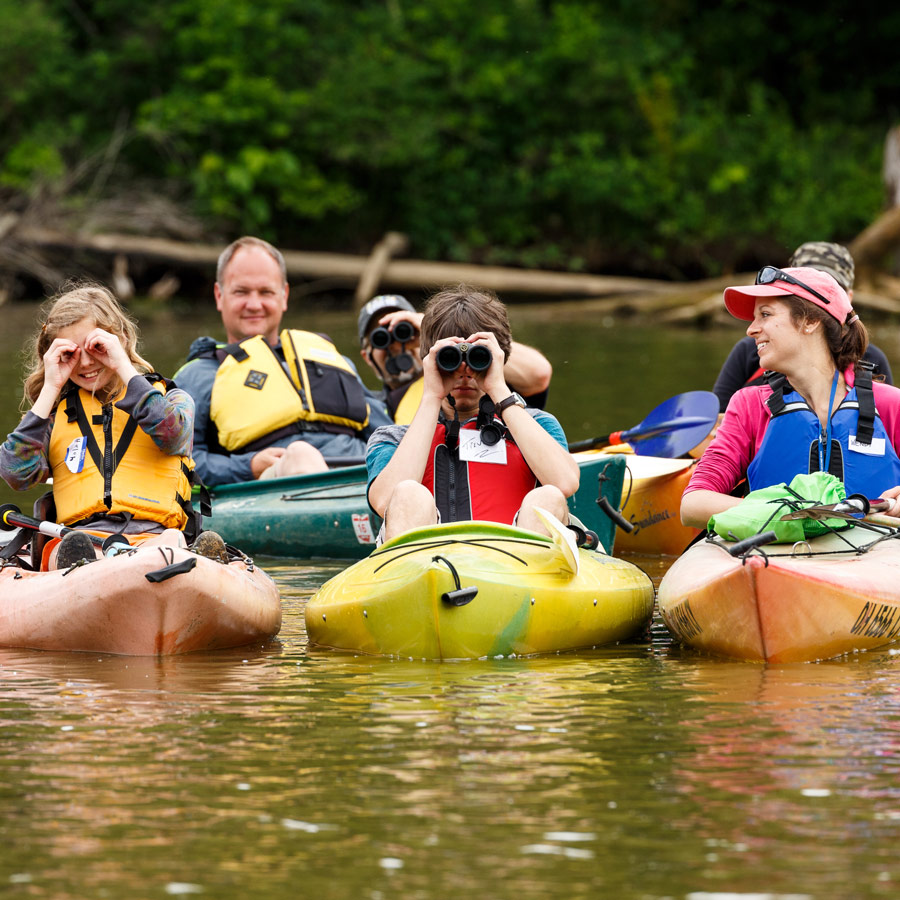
[[74, 304]]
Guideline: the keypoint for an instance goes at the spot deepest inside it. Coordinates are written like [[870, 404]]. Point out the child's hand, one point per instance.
[[61, 359], [107, 349]]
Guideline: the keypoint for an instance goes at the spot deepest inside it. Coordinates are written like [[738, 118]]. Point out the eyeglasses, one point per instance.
[[769, 275]]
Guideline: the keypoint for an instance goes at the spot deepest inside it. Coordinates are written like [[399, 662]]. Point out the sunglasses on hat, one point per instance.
[[769, 275]]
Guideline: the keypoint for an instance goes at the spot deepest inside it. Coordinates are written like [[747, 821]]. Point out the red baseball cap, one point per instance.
[[814, 285]]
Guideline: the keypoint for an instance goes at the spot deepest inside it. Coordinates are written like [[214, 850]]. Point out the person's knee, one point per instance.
[[300, 458], [171, 537], [546, 497], [411, 506], [550, 498], [410, 495]]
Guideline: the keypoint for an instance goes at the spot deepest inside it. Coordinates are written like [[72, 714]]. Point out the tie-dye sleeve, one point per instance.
[[23, 456]]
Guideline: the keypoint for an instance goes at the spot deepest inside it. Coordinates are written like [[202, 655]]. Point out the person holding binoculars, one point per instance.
[[388, 327], [474, 449]]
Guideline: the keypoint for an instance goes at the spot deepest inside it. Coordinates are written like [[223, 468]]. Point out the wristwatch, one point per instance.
[[513, 399]]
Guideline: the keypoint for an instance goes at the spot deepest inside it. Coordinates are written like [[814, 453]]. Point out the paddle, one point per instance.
[[856, 508], [674, 428], [12, 517]]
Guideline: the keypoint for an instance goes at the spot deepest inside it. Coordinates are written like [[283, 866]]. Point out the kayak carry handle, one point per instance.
[[460, 596], [171, 570], [615, 515], [752, 543]]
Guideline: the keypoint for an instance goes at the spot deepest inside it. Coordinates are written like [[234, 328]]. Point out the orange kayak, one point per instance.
[[651, 501], [831, 595], [149, 601]]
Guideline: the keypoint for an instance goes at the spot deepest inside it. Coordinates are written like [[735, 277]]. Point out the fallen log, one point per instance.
[[346, 269], [388, 247], [882, 236]]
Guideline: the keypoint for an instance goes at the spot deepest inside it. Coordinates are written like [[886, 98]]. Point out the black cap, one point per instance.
[[378, 306]]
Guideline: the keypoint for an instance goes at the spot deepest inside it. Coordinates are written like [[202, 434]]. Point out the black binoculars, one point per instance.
[[477, 357], [381, 338]]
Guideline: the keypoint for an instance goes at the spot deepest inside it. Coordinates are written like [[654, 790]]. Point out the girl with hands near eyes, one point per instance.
[[114, 436]]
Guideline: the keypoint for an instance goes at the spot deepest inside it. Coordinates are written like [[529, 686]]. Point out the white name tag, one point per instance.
[[876, 448], [472, 450], [75, 455]]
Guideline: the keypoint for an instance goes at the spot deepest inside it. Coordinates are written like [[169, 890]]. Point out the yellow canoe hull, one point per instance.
[[528, 598]]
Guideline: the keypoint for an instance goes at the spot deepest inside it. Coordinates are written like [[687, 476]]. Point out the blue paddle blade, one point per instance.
[[665, 433]]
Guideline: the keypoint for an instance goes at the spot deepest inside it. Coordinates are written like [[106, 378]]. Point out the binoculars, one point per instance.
[[381, 338], [477, 357]]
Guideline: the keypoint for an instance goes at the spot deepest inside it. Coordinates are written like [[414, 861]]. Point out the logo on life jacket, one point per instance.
[[255, 379]]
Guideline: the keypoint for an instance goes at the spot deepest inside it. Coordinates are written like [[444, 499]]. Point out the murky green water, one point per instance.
[[639, 771]]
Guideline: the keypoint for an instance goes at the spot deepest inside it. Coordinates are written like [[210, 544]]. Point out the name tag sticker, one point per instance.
[[472, 450], [75, 455], [876, 448]]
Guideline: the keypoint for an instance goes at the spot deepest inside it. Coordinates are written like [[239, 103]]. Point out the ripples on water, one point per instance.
[[635, 771]]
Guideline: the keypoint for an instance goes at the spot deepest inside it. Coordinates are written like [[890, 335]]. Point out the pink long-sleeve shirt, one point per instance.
[[724, 463]]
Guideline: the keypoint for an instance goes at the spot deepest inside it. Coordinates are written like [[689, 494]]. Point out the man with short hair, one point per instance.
[[473, 449], [270, 402], [389, 326]]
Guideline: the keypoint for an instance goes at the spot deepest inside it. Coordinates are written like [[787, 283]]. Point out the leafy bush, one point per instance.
[[675, 137]]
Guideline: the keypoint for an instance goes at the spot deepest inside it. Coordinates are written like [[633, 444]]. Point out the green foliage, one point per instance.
[[675, 136]]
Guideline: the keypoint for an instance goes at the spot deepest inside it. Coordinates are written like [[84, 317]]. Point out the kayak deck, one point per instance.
[[527, 598], [111, 606], [833, 595]]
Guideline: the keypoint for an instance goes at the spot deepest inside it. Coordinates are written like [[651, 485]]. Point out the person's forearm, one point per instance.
[[167, 419], [697, 507], [551, 464], [527, 370], [220, 468], [23, 456]]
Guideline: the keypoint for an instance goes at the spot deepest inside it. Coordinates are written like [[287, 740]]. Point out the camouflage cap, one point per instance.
[[834, 259]]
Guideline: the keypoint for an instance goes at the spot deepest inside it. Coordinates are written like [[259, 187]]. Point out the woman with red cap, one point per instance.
[[818, 411]]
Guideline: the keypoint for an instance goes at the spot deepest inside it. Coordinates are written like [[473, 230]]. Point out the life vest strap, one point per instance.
[[75, 413], [235, 350], [865, 426], [777, 382]]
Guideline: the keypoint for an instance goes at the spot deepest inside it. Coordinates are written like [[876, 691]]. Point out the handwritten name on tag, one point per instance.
[[75, 455], [472, 450], [876, 448]]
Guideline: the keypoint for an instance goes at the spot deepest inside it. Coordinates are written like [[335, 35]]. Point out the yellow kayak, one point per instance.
[[479, 589], [651, 501]]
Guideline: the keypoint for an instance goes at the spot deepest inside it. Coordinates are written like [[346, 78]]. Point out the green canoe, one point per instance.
[[325, 516]]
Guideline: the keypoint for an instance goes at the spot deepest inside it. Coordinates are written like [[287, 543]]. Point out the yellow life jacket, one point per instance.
[[254, 395], [409, 402], [103, 463]]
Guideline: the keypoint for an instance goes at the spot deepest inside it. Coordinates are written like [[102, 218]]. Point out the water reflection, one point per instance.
[[636, 771]]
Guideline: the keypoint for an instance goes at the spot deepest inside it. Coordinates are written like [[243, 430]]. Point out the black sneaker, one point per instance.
[[74, 548], [211, 545]]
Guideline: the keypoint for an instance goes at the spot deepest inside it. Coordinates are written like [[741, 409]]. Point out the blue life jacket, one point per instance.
[[862, 455]]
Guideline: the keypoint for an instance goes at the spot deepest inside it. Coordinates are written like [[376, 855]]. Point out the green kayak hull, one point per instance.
[[325, 515]]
